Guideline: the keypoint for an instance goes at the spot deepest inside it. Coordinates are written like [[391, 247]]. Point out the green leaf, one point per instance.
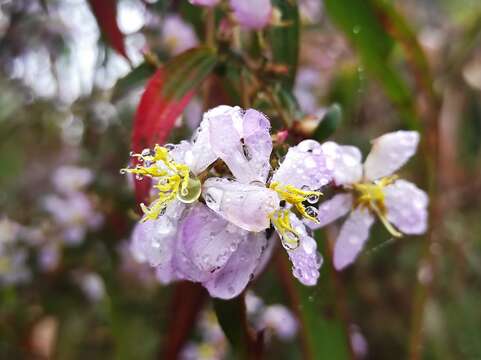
[[285, 39], [132, 80], [329, 123], [359, 20]]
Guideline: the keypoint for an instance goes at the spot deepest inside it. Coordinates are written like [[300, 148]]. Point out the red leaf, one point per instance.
[[105, 12], [154, 119], [187, 302]]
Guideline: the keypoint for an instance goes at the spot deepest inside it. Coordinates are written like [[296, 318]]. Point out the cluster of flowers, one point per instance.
[[273, 320], [218, 197], [71, 214]]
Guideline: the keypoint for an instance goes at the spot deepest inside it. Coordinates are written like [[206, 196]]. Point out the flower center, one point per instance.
[[371, 196], [298, 199], [282, 223], [175, 180]]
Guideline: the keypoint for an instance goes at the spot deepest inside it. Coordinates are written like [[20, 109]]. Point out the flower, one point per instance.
[[69, 179], [177, 35], [180, 236], [242, 141], [74, 213], [372, 190], [252, 14], [13, 258]]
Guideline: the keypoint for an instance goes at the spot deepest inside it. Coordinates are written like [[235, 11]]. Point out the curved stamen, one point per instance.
[[297, 197], [282, 223], [175, 180]]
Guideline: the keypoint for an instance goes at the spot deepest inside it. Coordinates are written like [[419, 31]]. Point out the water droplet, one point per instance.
[[230, 289], [312, 211], [356, 29], [145, 152], [131, 153], [123, 171], [139, 177], [169, 147], [313, 198]]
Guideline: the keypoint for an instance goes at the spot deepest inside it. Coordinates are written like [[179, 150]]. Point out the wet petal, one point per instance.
[[351, 239], [304, 166], [205, 244], [345, 162], [407, 207], [252, 14], [247, 206], [306, 260], [242, 141], [201, 154], [239, 270], [332, 210], [389, 152]]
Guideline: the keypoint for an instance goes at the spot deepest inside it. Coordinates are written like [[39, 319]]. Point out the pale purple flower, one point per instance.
[[307, 81], [242, 140], [358, 342], [208, 3], [280, 321], [370, 190], [184, 239], [13, 258], [92, 285], [74, 213], [177, 35], [68, 179], [252, 14]]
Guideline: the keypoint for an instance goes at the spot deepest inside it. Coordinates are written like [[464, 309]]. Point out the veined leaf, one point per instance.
[[105, 12], [284, 39], [165, 97]]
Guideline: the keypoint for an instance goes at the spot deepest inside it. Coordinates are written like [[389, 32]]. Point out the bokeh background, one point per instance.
[[69, 287]]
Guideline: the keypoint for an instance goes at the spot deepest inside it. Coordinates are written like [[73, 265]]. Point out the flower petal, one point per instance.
[[407, 207], [247, 206], [351, 239], [304, 166], [306, 260], [345, 162], [332, 209], [201, 154], [239, 270], [389, 152], [252, 14], [242, 141], [205, 243]]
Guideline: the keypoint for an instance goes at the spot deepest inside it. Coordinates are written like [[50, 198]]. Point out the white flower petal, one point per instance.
[[205, 243], [389, 152], [332, 209], [345, 162], [407, 207], [351, 239], [306, 260], [247, 206], [304, 166], [242, 141], [232, 279], [201, 154]]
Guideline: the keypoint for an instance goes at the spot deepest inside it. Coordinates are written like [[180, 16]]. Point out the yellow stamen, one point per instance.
[[282, 223], [175, 180], [371, 196], [297, 197]]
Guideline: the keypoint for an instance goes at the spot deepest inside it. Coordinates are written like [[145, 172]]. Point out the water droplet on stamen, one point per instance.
[[312, 211], [313, 198]]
